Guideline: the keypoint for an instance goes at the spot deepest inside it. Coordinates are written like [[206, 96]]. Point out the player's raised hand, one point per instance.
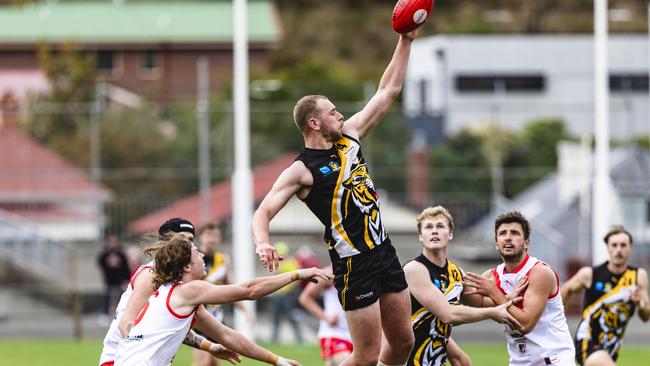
[[410, 35], [269, 256], [519, 290], [479, 284], [313, 274]]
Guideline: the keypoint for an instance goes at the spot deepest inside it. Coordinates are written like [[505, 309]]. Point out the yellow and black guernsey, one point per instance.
[[431, 334], [607, 310], [344, 199]]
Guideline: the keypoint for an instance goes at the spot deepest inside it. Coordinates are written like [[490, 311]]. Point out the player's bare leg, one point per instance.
[[599, 358], [365, 330], [396, 322]]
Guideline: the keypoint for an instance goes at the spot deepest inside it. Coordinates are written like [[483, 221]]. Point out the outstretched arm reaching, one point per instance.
[[390, 86], [235, 341]]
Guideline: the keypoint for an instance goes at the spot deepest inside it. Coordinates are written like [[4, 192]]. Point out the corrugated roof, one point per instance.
[[264, 176], [29, 170], [181, 22]]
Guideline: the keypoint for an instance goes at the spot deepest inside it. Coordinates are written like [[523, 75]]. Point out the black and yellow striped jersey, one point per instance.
[[344, 199], [431, 334], [607, 310]]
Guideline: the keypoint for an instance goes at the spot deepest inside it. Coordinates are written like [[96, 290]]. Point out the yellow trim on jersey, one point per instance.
[[627, 279], [366, 230], [336, 220], [584, 346], [418, 354], [346, 277]]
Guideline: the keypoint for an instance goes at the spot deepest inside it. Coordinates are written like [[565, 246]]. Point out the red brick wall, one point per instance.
[[176, 79]]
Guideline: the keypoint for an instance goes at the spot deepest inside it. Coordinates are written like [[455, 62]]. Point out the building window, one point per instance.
[[106, 61], [150, 62], [150, 65], [496, 83], [626, 83]]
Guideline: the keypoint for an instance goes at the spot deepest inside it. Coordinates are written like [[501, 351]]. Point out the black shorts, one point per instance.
[[362, 278], [584, 349]]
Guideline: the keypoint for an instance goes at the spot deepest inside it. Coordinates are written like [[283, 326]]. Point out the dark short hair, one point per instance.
[[617, 229], [176, 225], [209, 226], [512, 217]]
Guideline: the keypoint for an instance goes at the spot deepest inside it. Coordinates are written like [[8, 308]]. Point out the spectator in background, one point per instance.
[[306, 257], [284, 300], [115, 270], [134, 256]]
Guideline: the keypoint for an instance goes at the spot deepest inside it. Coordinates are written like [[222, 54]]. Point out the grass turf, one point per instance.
[[71, 353]]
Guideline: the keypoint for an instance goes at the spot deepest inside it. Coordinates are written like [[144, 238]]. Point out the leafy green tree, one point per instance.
[[533, 154], [61, 115]]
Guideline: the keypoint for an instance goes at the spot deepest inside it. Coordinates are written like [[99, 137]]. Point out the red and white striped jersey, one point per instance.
[[113, 336], [549, 343], [156, 334]]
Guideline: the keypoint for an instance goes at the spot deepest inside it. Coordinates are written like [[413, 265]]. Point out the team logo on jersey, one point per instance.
[[437, 283], [342, 145], [329, 168], [599, 286]]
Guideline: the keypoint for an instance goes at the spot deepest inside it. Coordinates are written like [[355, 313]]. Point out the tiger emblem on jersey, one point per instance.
[[361, 187]]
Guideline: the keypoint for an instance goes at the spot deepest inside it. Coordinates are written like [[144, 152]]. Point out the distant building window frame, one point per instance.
[[492, 83], [108, 62], [150, 66], [628, 82]]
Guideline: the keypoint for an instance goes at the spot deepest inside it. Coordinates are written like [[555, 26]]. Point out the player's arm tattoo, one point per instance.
[[193, 339]]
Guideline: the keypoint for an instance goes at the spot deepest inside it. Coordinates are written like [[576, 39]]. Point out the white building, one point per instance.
[[511, 79]]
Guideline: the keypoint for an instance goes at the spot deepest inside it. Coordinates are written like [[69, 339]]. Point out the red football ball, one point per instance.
[[410, 14]]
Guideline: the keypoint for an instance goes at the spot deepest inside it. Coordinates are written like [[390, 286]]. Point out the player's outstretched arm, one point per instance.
[[419, 284], [198, 341], [390, 86], [202, 292], [579, 281], [235, 341], [142, 290], [640, 296], [290, 182], [308, 301]]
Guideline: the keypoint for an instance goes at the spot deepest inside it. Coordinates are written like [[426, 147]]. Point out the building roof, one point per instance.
[[30, 171], [134, 23], [220, 198]]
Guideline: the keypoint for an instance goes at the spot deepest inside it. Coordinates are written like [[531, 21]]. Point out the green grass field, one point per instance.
[[69, 353]]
